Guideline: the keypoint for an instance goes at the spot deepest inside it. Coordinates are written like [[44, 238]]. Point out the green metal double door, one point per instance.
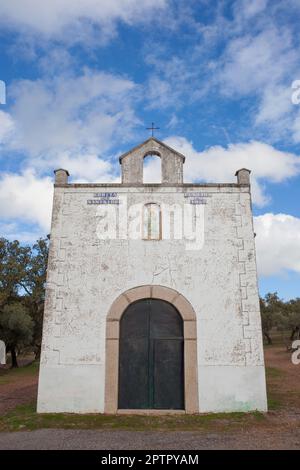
[[151, 357]]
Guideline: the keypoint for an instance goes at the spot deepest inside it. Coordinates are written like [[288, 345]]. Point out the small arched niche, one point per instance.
[[151, 221], [152, 168]]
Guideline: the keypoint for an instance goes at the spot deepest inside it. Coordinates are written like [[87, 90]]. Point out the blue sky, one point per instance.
[[84, 79]]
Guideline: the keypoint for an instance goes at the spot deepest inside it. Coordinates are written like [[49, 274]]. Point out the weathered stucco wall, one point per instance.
[[86, 274]]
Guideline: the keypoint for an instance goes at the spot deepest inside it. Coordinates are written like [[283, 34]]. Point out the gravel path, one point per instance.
[[60, 439]]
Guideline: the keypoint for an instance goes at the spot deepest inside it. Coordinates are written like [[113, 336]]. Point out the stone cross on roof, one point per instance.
[[152, 128]]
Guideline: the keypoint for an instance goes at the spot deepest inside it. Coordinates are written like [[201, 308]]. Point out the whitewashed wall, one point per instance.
[[86, 274]]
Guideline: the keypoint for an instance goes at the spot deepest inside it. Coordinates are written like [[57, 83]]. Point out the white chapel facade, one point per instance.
[[151, 299]]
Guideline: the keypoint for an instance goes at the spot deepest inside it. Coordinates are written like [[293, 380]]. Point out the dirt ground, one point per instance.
[[277, 429], [17, 387], [283, 377]]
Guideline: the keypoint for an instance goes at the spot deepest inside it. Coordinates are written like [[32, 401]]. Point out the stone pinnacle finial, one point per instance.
[[61, 176], [243, 176]]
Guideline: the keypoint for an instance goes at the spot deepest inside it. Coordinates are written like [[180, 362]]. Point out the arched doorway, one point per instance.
[[151, 357], [112, 355]]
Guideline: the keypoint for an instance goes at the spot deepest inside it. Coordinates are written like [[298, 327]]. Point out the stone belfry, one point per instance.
[[151, 299], [171, 162]]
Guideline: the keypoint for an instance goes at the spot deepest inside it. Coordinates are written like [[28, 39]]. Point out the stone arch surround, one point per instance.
[[112, 343]]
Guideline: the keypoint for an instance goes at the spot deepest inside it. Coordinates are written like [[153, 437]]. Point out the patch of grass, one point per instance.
[[25, 418], [10, 375], [276, 398], [274, 372], [258, 415], [274, 403]]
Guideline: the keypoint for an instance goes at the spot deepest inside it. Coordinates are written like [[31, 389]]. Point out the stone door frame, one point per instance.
[[112, 345]]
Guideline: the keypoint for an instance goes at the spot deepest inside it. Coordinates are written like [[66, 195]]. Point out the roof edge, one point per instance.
[[145, 142]]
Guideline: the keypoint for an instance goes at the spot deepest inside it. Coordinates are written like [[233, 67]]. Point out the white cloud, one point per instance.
[[262, 63], [75, 116], [296, 127], [257, 57], [6, 126], [173, 122], [27, 198], [63, 18], [86, 168], [250, 8], [169, 84], [56, 61], [275, 104], [160, 93], [251, 63], [277, 243], [152, 169], [219, 164]]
